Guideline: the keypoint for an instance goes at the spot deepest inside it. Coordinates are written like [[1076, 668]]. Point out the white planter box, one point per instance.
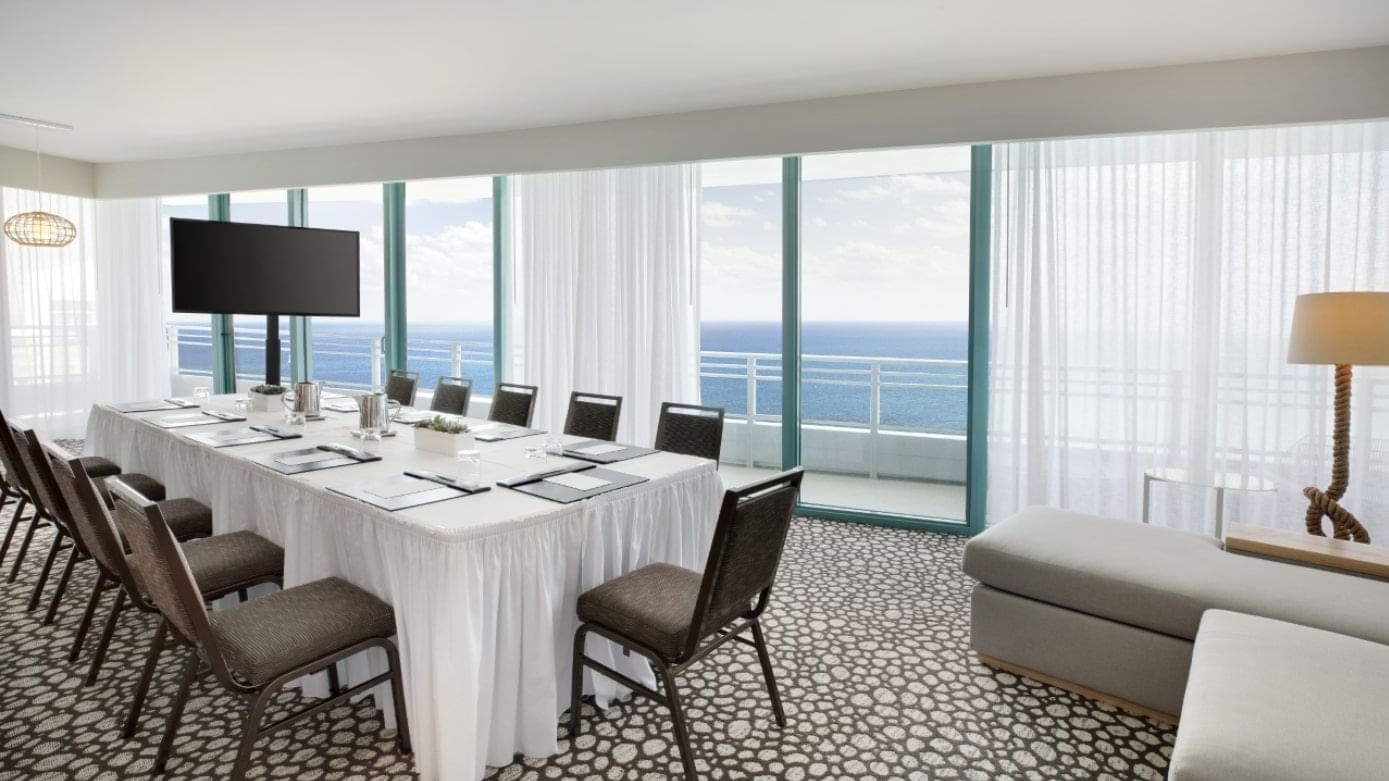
[[264, 402], [440, 442]]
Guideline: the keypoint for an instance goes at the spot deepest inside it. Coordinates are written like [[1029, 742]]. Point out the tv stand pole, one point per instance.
[[272, 349]]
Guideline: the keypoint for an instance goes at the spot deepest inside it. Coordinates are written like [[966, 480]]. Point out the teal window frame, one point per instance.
[[976, 426], [300, 326], [223, 327]]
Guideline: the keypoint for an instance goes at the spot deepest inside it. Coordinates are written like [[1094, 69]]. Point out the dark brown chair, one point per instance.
[[451, 395], [401, 387], [513, 404], [22, 487], [665, 612], [593, 416], [222, 564], [254, 648], [690, 429]]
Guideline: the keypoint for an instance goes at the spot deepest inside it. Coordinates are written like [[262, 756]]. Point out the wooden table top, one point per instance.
[[1303, 548]]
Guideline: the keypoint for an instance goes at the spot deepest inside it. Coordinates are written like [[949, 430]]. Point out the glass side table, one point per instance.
[[1220, 482]]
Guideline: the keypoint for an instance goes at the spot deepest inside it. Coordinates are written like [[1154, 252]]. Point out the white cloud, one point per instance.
[[905, 186], [449, 274], [950, 220], [819, 222], [722, 215]]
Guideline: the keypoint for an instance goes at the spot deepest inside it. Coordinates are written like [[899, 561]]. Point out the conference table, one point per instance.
[[484, 587]]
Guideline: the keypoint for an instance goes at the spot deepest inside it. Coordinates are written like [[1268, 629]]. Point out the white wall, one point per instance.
[[1318, 87], [60, 174]]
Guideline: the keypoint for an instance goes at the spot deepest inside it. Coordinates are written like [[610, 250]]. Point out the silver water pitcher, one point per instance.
[[375, 413], [306, 398]]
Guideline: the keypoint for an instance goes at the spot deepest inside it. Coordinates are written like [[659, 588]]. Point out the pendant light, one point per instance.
[[39, 228]]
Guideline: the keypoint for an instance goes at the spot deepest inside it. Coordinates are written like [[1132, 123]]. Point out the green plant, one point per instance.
[[269, 390], [443, 425]]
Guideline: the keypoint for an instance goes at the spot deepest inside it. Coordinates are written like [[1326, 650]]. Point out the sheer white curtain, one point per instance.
[[1142, 291], [81, 323], [602, 286]]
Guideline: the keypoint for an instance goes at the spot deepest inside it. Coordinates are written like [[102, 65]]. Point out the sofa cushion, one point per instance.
[[1270, 700], [1163, 579]]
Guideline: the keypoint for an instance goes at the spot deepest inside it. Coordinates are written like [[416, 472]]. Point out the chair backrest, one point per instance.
[[690, 429], [90, 519], [593, 415], [401, 386], [514, 404], [44, 484], [16, 475], [751, 534], [451, 395], [164, 573]]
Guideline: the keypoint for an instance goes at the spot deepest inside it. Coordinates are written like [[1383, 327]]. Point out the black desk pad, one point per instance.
[[154, 406], [429, 492], [271, 460], [250, 435], [200, 418], [566, 495], [627, 452]]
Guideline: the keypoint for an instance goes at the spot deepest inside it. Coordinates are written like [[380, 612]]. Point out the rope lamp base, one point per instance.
[[1344, 524]]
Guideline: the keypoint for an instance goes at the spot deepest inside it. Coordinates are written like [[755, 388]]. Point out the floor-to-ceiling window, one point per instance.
[[264, 207], [884, 305], [448, 280], [190, 335], [342, 347], [741, 307]]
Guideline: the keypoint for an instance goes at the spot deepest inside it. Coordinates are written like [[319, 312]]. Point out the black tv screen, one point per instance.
[[237, 268]]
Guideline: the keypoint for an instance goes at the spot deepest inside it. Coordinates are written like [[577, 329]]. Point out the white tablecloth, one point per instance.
[[484, 587]]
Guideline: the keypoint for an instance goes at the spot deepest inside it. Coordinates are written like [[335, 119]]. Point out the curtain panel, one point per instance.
[[601, 281], [81, 323], [1142, 294]]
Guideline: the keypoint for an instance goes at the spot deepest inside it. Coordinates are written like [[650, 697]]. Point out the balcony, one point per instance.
[[880, 434]]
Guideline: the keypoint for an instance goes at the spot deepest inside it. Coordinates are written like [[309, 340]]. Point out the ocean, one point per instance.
[[916, 397]]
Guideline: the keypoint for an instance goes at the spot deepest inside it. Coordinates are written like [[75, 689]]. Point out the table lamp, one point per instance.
[[1341, 329]]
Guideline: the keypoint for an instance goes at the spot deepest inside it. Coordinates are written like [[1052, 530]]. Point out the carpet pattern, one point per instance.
[[869, 635]]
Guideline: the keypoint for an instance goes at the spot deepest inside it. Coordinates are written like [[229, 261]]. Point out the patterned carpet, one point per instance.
[[869, 631]]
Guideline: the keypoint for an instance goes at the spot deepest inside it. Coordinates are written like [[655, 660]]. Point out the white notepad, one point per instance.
[[307, 458], [599, 450], [179, 418], [579, 482], [403, 488], [236, 433]]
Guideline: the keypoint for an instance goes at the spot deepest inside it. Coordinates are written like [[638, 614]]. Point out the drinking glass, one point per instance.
[[470, 468], [201, 392], [554, 445], [242, 404], [294, 418]]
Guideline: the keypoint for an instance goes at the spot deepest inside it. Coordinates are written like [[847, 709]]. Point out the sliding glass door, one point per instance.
[[884, 306]]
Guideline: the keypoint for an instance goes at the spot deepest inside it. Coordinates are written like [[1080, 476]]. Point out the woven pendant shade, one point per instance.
[[40, 229]]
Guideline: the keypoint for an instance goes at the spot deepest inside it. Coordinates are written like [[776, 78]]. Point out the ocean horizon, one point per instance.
[[833, 392]]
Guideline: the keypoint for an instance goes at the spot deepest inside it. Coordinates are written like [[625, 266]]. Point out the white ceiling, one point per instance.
[[169, 78]]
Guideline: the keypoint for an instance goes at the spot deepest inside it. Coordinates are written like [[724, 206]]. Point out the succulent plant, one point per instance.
[[443, 425], [269, 390]]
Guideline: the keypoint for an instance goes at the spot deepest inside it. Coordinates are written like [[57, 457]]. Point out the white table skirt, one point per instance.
[[484, 587]]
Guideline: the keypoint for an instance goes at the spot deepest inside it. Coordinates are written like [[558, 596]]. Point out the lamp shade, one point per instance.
[[1340, 328]]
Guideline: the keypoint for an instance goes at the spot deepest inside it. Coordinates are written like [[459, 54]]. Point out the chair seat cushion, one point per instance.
[[1270, 700], [1164, 579], [267, 637], [225, 560], [187, 518], [653, 605], [144, 485], [97, 466]]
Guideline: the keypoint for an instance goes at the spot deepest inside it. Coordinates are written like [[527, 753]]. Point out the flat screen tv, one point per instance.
[[237, 268]]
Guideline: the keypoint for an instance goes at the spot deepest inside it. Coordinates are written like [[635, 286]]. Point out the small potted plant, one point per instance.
[[266, 398], [443, 435]]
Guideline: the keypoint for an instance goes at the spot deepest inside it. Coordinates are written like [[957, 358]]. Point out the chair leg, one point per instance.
[[677, 716], [93, 602], [576, 689], [166, 744], [105, 641], [14, 525], [402, 720], [249, 734], [142, 686], [35, 521], [766, 660], [334, 686], [73, 556], [37, 593]]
